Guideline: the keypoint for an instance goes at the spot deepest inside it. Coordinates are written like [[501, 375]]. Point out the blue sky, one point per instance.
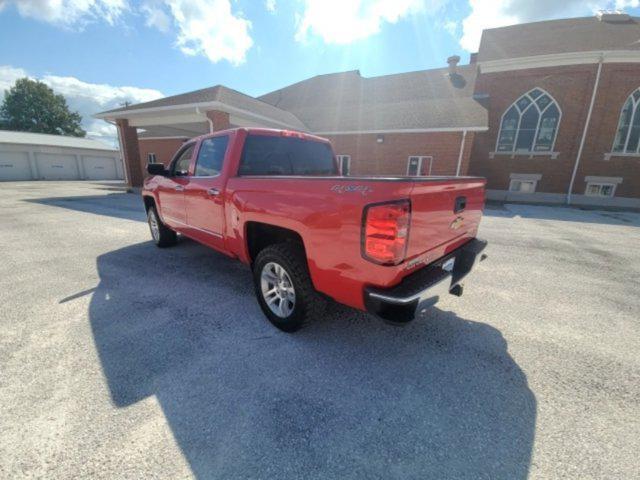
[[100, 53]]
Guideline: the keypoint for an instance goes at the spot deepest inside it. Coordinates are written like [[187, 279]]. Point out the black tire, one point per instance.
[[163, 236], [308, 303]]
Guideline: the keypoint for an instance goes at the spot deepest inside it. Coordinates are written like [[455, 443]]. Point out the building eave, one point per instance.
[[559, 60]]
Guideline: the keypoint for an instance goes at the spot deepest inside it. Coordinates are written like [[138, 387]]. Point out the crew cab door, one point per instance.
[[204, 194], [171, 188]]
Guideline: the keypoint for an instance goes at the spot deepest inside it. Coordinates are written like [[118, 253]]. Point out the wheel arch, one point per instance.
[[149, 201], [259, 235]]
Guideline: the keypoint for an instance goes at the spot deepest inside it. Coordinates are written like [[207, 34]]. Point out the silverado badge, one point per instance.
[[362, 189]]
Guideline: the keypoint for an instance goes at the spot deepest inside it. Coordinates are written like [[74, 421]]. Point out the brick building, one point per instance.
[[547, 111]]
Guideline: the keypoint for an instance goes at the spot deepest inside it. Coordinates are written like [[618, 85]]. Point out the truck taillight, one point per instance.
[[385, 232]]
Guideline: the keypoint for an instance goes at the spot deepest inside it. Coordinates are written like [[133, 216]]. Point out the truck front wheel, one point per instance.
[[283, 286], [162, 235]]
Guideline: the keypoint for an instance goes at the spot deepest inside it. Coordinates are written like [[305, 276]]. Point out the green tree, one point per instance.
[[31, 106]]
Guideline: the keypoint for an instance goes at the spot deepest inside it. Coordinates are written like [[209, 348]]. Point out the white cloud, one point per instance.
[[155, 16], [209, 28], [270, 5], [622, 4], [69, 12], [204, 27], [499, 13], [9, 75], [451, 26], [344, 21], [86, 98]]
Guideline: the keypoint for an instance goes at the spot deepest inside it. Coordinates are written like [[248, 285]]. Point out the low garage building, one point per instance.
[[36, 156]]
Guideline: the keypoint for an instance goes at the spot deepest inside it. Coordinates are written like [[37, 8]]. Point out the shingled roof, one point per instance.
[[345, 102], [220, 94], [348, 102], [559, 36]]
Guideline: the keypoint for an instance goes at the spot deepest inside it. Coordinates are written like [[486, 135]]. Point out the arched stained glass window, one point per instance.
[[530, 124], [628, 135]]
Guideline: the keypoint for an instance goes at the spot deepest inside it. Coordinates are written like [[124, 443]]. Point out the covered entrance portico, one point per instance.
[[161, 126]]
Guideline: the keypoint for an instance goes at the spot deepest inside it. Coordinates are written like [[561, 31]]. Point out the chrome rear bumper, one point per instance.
[[424, 288]]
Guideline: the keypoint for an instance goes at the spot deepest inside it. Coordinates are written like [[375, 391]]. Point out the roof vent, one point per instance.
[[613, 16]]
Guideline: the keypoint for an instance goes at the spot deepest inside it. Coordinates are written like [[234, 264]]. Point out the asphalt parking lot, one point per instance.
[[120, 360]]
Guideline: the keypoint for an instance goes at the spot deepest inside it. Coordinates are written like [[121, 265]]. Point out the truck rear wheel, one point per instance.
[[162, 235], [283, 286]]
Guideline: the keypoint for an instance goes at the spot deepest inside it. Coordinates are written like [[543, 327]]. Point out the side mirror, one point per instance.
[[157, 169]]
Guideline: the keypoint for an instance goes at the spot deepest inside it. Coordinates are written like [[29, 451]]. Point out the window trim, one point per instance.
[[636, 111], [420, 163], [150, 156], [551, 152], [600, 183], [224, 158], [341, 159], [523, 180]]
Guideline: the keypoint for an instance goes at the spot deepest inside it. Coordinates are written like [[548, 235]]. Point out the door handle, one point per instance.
[[179, 188], [214, 192]]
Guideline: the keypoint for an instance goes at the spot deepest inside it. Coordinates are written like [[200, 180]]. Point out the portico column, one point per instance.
[[130, 153]]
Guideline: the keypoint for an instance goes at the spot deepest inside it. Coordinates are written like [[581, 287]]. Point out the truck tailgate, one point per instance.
[[444, 215]]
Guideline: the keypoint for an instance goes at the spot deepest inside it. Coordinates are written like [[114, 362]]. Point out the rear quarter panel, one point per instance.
[[327, 213]]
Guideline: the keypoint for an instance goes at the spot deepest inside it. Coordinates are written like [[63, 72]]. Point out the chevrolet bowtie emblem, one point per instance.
[[457, 223]]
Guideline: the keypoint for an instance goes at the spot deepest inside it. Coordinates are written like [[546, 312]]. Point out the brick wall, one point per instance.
[[617, 82], [368, 157], [571, 86], [164, 149]]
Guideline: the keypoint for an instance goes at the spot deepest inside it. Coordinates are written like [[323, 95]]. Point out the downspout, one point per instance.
[[199, 112], [124, 168], [464, 136], [586, 129]]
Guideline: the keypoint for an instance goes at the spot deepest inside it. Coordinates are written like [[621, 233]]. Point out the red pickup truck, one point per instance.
[[275, 200]]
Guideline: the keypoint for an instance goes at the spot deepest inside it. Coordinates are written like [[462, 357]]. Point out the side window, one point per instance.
[[181, 163], [628, 134], [211, 156]]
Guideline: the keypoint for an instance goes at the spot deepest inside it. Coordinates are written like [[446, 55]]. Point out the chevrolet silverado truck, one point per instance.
[[274, 199]]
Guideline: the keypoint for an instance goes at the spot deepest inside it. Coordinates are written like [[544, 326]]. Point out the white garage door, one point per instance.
[[99, 168], [14, 166], [57, 167]]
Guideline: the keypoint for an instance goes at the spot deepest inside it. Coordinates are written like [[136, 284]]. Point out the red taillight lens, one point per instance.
[[385, 232]]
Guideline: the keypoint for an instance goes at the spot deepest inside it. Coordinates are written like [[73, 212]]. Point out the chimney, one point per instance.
[[453, 64], [473, 58]]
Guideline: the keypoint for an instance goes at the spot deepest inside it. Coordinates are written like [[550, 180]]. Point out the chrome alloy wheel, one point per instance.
[[153, 225], [277, 289]]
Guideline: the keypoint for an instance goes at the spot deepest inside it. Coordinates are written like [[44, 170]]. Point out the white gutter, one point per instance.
[[585, 131], [406, 130], [464, 136]]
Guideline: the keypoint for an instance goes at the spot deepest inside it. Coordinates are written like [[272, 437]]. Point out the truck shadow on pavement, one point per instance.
[[348, 396], [119, 205]]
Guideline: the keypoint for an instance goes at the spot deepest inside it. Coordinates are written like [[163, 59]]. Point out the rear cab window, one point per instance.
[[280, 155]]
